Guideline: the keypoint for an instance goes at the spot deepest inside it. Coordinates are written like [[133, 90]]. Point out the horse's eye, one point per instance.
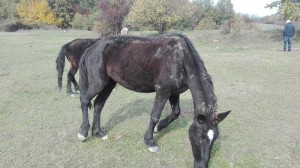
[[201, 118]]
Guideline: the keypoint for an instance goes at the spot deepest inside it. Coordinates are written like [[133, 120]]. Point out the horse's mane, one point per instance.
[[206, 82]]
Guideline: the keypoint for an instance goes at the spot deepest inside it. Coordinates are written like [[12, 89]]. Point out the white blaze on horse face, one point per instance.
[[210, 135]]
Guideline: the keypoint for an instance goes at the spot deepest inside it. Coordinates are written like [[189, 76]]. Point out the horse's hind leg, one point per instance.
[[98, 105], [71, 78], [174, 101], [159, 103], [84, 128], [76, 86], [85, 100]]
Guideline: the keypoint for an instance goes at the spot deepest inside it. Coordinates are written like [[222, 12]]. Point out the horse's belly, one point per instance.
[[132, 80], [138, 87]]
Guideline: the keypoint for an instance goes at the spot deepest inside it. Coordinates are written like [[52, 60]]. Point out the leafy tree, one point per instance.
[[233, 26], [102, 28], [290, 9], [185, 9], [211, 16], [85, 7], [89, 4], [206, 4], [77, 21], [64, 9], [226, 12], [208, 14], [207, 23], [71, 11], [84, 22], [35, 12], [158, 14], [113, 13], [8, 9]]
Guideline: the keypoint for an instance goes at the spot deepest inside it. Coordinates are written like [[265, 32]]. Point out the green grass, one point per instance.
[[252, 77], [268, 27]]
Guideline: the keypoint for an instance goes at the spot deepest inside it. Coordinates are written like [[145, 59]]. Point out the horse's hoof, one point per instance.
[[77, 91], [81, 137], [156, 129], [105, 137], [101, 136], [73, 95], [153, 148]]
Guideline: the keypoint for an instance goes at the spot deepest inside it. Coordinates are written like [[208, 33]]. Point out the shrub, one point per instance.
[[233, 26], [12, 26], [207, 24], [102, 28], [77, 21]]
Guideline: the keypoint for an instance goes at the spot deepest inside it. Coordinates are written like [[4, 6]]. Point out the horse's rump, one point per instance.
[[73, 50]]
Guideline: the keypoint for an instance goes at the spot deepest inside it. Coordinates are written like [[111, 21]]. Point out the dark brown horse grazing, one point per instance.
[[167, 65], [73, 51]]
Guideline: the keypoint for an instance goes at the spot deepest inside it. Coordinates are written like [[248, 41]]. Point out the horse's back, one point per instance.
[[141, 64]]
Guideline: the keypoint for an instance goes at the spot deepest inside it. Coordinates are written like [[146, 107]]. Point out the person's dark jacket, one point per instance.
[[289, 29]]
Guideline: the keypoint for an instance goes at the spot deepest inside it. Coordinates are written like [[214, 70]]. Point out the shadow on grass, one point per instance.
[[176, 124], [144, 106], [133, 109]]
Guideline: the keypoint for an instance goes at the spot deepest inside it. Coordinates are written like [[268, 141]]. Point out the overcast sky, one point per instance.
[[253, 7]]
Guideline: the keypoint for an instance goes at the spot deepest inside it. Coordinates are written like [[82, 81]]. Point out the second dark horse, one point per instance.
[[73, 50], [166, 65]]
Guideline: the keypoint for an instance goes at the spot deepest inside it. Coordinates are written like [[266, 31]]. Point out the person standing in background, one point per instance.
[[288, 33]]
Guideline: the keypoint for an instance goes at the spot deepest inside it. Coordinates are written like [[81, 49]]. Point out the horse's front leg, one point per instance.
[[159, 103], [174, 102]]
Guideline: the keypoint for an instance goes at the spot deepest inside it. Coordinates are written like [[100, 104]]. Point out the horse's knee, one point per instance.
[[176, 113], [84, 101], [154, 119]]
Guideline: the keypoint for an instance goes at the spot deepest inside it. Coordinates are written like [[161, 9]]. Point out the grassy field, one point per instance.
[[253, 77]]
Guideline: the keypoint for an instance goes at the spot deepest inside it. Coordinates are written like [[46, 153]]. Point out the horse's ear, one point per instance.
[[222, 116], [201, 118]]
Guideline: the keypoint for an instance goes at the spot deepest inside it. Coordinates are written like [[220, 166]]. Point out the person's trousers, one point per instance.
[[287, 41]]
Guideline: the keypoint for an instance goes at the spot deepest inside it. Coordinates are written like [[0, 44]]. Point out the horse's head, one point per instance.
[[203, 133]]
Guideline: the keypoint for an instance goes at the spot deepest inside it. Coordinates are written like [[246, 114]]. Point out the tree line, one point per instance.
[[289, 9], [109, 16]]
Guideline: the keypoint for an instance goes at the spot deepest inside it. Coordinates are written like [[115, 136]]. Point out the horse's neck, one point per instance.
[[197, 94], [203, 97]]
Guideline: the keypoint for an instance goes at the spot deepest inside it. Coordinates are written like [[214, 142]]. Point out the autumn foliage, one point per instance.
[[34, 12], [113, 14]]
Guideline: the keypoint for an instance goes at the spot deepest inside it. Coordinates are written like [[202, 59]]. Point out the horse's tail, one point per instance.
[[60, 64], [206, 81], [83, 77]]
